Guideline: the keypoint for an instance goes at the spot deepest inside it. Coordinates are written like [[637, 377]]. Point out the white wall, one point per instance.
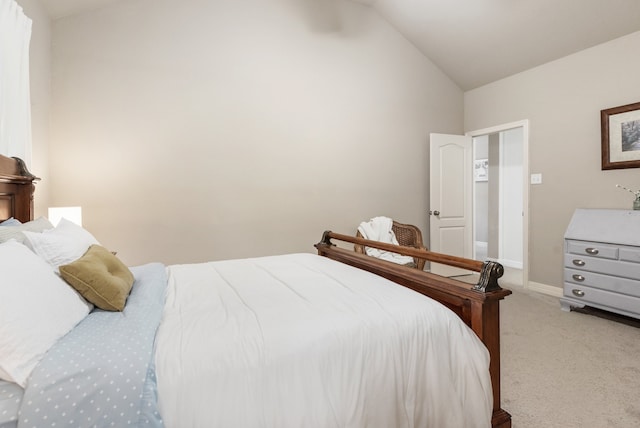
[[562, 100], [201, 130], [40, 77]]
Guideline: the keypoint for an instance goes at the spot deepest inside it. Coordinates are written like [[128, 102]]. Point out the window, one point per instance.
[[15, 102]]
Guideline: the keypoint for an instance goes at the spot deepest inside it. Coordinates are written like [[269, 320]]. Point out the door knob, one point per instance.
[[436, 212]]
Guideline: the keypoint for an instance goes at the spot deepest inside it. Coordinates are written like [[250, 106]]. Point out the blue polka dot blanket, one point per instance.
[[102, 373]]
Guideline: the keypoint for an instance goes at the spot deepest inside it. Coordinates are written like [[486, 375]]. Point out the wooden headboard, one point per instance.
[[16, 190]]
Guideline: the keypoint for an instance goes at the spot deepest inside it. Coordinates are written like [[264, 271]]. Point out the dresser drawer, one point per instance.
[[630, 254], [603, 282], [602, 297], [593, 249], [604, 266]]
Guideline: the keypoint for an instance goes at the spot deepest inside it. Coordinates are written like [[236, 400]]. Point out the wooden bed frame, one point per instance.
[[16, 190], [478, 306]]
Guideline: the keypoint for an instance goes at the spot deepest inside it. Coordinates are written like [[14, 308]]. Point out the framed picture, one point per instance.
[[620, 127], [481, 170]]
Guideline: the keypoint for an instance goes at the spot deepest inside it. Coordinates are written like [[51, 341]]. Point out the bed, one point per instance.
[[333, 339]]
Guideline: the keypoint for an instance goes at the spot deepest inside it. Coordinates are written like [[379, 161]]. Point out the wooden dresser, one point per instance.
[[602, 261]]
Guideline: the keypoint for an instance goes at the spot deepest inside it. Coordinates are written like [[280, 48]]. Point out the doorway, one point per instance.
[[500, 198]]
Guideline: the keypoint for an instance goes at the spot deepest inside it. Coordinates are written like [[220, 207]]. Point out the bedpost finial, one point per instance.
[[325, 241], [24, 171], [489, 275]]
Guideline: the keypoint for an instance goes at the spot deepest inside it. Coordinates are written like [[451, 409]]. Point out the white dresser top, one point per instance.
[[601, 225]]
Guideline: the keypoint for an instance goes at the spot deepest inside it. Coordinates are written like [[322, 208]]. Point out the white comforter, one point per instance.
[[302, 341]]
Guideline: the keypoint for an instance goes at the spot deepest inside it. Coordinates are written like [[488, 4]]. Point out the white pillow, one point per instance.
[[11, 222], [36, 308], [62, 245], [17, 231]]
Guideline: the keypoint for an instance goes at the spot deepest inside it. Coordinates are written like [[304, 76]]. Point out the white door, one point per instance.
[[451, 216]]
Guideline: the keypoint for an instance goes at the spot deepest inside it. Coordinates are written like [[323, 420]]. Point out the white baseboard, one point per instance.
[[549, 290]]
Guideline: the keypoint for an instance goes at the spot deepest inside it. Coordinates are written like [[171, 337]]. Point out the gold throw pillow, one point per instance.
[[100, 277]]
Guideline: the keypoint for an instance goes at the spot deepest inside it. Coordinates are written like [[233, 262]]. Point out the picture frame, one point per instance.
[[481, 170], [620, 128]]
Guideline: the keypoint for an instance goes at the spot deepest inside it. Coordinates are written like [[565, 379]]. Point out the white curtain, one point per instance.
[[15, 100]]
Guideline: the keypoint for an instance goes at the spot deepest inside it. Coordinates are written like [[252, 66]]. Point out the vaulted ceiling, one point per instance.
[[476, 42]]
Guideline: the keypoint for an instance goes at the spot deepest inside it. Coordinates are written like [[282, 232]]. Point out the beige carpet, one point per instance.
[[566, 370]]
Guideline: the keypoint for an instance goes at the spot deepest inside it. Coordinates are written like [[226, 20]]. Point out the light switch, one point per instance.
[[536, 178]]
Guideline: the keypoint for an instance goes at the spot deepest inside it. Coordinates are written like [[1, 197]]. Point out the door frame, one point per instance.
[[524, 124]]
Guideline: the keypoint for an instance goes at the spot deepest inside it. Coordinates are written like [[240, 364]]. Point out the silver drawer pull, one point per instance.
[[592, 251], [578, 293], [578, 262], [577, 277]]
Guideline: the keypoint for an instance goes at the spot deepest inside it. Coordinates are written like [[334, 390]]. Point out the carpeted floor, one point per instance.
[[567, 370]]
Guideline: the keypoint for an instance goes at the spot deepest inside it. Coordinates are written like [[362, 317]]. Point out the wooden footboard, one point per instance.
[[478, 306]]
